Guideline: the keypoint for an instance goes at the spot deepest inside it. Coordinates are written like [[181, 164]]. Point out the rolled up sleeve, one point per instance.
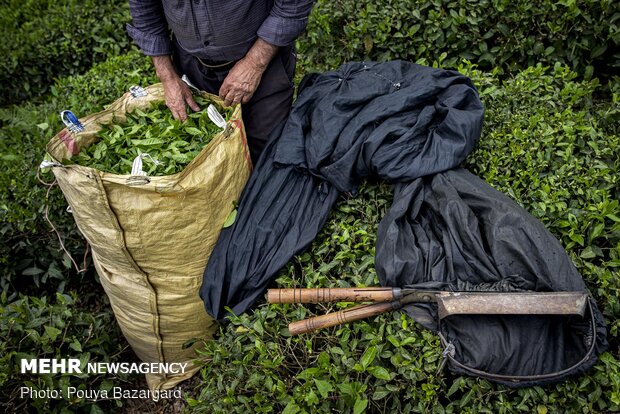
[[150, 28], [286, 21]]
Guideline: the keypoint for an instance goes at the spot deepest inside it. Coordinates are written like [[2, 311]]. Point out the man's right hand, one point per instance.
[[176, 92]]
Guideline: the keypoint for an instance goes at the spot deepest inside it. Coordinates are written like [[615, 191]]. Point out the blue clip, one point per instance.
[[71, 121]]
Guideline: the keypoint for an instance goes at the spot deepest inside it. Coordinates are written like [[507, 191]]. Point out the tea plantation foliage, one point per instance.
[[551, 141]]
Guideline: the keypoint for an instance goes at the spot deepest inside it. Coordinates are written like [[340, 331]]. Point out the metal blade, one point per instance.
[[521, 303]]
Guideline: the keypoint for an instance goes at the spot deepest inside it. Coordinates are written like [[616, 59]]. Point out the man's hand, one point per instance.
[[243, 79], [176, 92]]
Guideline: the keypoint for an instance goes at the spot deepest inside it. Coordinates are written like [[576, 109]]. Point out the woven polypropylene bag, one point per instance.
[[151, 237]]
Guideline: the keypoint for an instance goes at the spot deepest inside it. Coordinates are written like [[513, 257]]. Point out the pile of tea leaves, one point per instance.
[[172, 143]]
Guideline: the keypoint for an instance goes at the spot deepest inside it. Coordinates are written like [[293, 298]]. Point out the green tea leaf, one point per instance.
[[155, 132], [52, 332], [194, 131], [230, 219], [379, 372], [369, 356], [360, 406], [147, 142], [324, 387]]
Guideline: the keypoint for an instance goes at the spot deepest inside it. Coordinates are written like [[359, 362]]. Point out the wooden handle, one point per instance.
[[344, 316], [319, 295]]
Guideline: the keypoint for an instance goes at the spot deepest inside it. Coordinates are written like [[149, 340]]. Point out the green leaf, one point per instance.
[[291, 408], [120, 131], [324, 387], [324, 360], [379, 372], [31, 271], [587, 253], [336, 350], [613, 217], [369, 356], [258, 327], [456, 385], [597, 230], [179, 143], [466, 399], [150, 142], [99, 150], [577, 238], [380, 393], [76, 346], [311, 398], [192, 403], [95, 409], [308, 373], [194, 131], [598, 51], [230, 219], [52, 332], [346, 389], [393, 340], [360, 406], [106, 384]]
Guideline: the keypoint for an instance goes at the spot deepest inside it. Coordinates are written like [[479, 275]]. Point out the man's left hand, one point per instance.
[[243, 79], [241, 82]]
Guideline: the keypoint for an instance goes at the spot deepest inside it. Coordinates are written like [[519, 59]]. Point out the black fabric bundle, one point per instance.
[[410, 125], [453, 232]]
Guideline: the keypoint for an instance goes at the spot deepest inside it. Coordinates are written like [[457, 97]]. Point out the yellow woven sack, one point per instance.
[[151, 237]]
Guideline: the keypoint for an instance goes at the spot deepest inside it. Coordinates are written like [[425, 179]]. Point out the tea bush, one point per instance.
[[548, 144], [492, 33], [39, 327], [30, 257], [44, 40]]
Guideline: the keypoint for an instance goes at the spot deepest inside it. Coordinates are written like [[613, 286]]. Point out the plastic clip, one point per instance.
[[71, 121], [48, 164], [136, 167], [137, 91], [185, 79]]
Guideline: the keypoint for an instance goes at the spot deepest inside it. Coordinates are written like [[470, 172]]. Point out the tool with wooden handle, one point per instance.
[[320, 295], [448, 303]]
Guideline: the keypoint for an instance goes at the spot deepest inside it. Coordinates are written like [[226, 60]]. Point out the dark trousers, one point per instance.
[[271, 102]]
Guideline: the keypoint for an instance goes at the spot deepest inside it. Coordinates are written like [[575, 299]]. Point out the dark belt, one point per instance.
[[216, 65]]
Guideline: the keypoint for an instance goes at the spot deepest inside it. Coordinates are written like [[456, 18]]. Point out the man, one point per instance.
[[241, 50]]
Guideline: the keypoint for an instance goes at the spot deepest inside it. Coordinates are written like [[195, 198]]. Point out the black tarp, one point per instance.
[[410, 125]]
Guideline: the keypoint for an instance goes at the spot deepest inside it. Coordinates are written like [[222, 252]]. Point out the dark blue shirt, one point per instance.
[[219, 30]]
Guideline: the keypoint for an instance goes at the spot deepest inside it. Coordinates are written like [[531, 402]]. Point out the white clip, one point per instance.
[[185, 79], [216, 117], [137, 91], [48, 164], [136, 166]]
